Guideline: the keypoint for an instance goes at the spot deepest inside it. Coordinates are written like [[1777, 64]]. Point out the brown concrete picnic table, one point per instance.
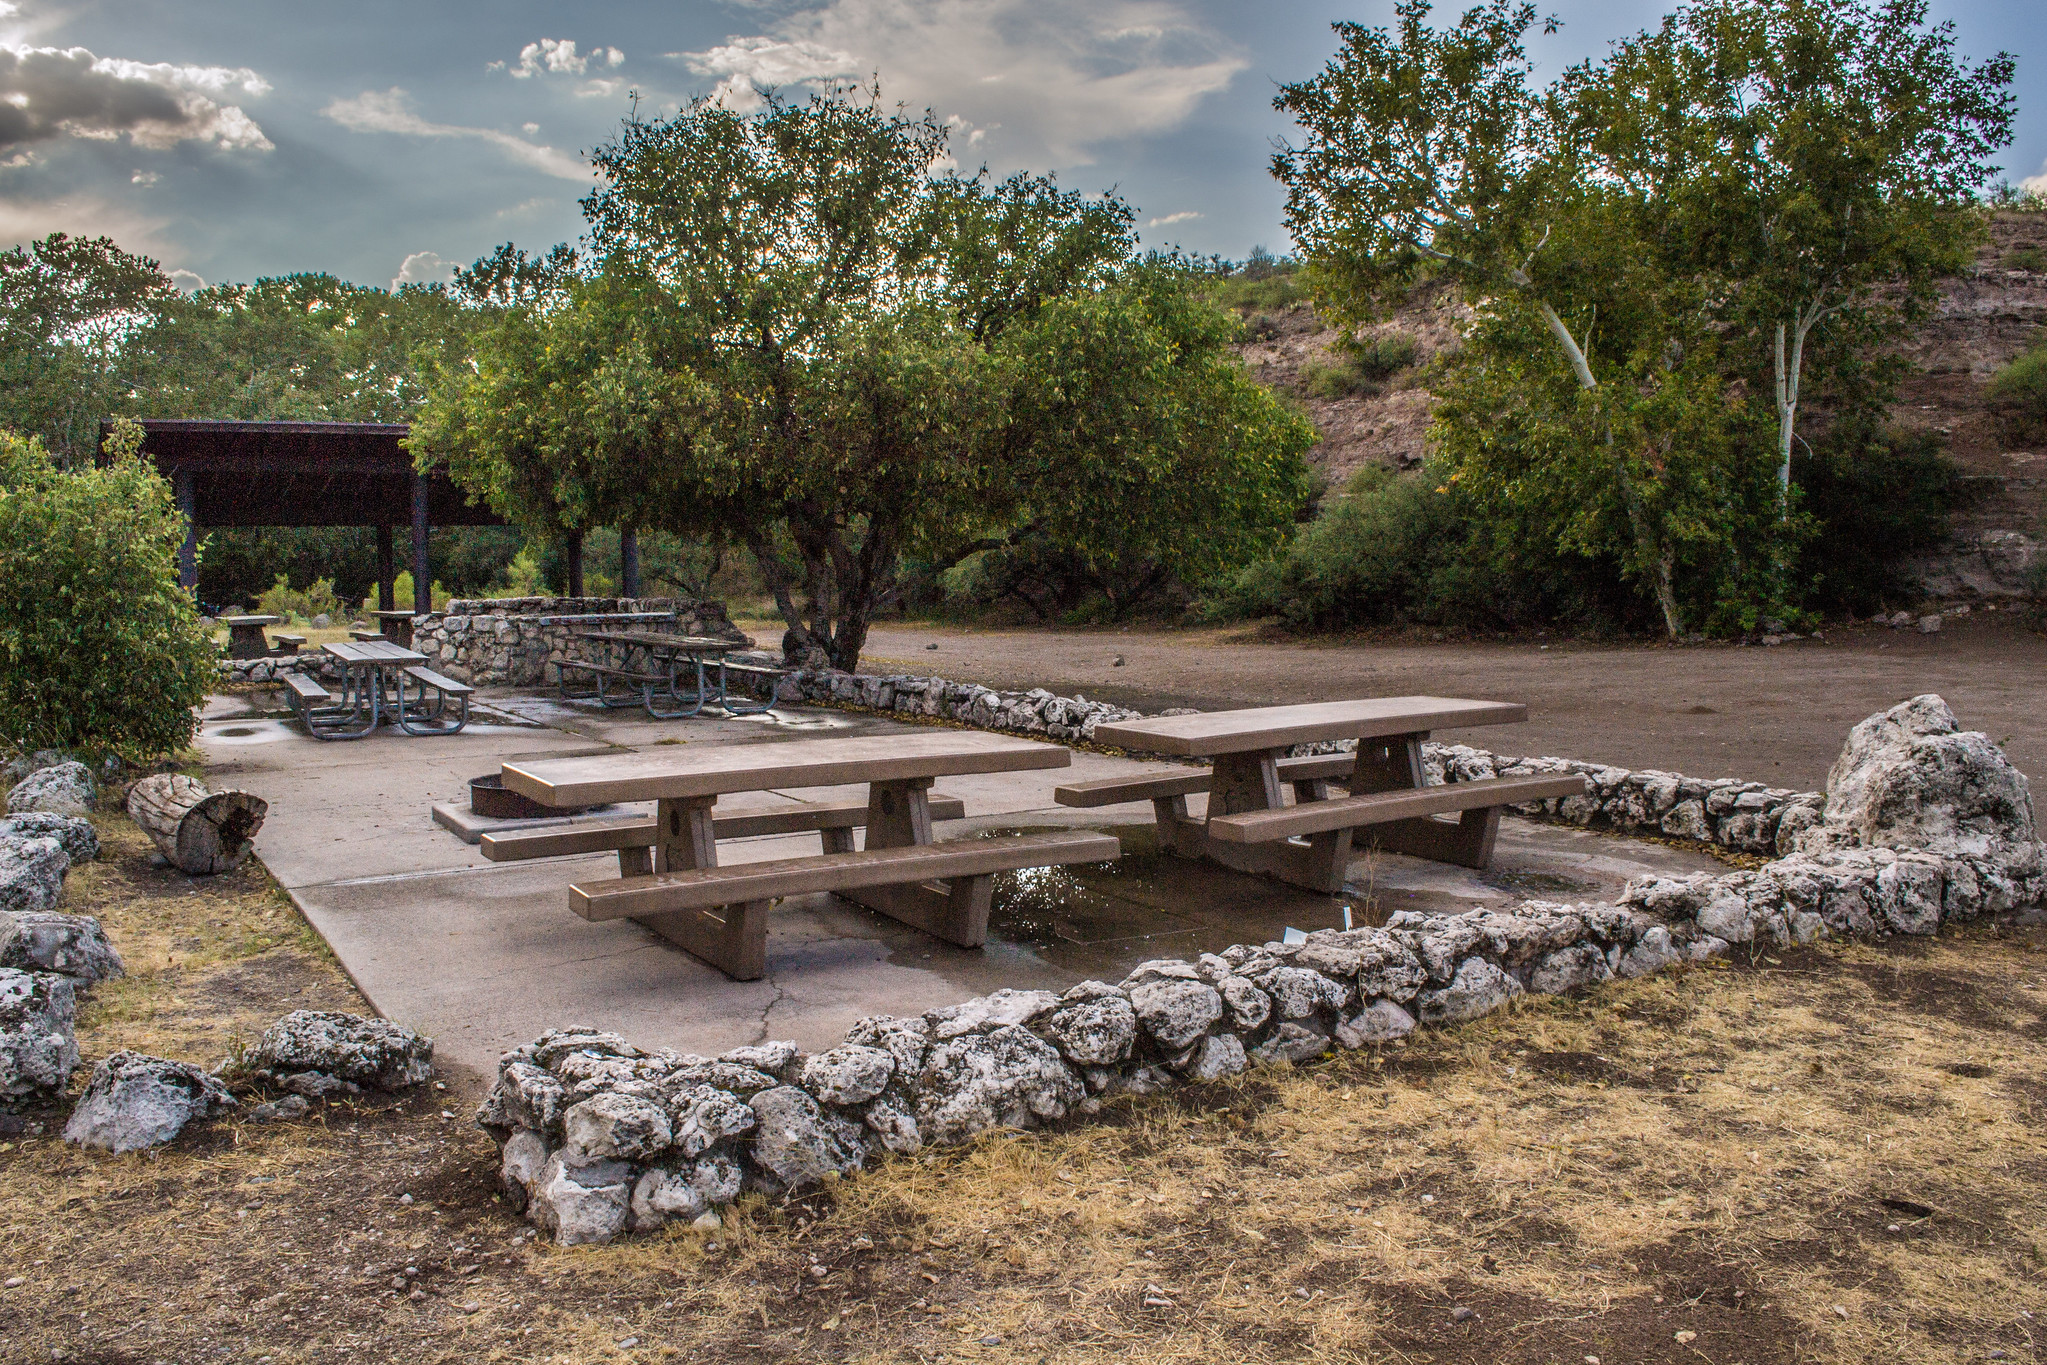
[[719, 912], [1250, 827], [245, 636], [396, 625]]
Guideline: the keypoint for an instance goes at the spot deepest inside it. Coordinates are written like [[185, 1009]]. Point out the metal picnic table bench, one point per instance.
[[672, 882], [1250, 827], [667, 655], [374, 675]]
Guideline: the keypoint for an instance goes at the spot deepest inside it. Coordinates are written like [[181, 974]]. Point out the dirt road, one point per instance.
[[1774, 715]]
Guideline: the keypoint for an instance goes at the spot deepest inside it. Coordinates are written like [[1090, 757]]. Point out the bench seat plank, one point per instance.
[[707, 887], [306, 688], [1377, 808], [433, 679], [800, 819], [1114, 791]]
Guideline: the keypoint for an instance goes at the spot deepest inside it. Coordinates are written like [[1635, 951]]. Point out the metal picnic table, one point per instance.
[[374, 675], [1250, 827], [667, 656]]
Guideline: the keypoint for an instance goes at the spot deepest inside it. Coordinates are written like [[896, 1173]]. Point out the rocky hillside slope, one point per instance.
[[1985, 318]]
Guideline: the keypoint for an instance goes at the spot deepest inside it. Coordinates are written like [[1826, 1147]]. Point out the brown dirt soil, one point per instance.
[[1829, 1155], [1768, 715]]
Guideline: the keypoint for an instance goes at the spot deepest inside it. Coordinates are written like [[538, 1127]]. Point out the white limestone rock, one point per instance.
[[31, 873], [613, 1126], [1567, 969], [906, 1040], [683, 1192], [1477, 988], [797, 1145], [1248, 1006], [581, 1205], [1382, 1021], [65, 788], [1217, 1055], [38, 1045], [701, 1117], [135, 1101], [850, 1074], [1293, 1041], [1175, 1012], [781, 1059], [1097, 1032], [73, 833], [350, 1047], [1003, 1007], [45, 941], [1005, 1078]]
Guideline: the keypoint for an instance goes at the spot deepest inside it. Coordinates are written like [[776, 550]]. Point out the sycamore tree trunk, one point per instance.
[[1658, 556], [842, 583]]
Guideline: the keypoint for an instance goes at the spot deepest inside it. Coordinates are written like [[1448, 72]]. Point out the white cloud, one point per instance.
[[52, 92], [1184, 216], [529, 128], [186, 281], [558, 56], [85, 215], [423, 267], [526, 206], [1058, 76], [8, 11], [389, 111], [2037, 184], [144, 178]]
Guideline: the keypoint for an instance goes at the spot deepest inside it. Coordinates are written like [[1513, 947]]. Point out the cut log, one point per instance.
[[202, 832]]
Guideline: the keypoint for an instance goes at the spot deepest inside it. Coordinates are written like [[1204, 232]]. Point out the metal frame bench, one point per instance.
[[415, 717], [721, 913], [773, 674], [833, 821], [645, 682]]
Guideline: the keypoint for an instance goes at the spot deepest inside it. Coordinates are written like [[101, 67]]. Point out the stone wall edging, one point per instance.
[[516, 642]]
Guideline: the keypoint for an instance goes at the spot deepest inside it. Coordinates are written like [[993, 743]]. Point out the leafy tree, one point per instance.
[[100, 649], [1823, 157], [795, 338], [68, 308]]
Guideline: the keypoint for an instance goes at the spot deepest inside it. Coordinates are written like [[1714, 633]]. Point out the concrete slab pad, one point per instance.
[[486, 955]]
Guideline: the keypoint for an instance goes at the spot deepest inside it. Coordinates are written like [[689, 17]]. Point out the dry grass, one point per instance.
[[1705, 1153]]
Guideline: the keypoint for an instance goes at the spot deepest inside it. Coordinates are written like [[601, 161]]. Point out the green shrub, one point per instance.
[[281, 599], [1338, 378], [2026, 258], [1359, 368], [100, 649], [2018, 397], [1382, 357], [1876, 500]]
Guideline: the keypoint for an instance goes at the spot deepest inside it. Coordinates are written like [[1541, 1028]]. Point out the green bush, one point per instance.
[[1876, 500], [100, 649], [1338, 378], [1359, 368], [2026, 258], [281, 599], [2018, 397], [1382, 357]]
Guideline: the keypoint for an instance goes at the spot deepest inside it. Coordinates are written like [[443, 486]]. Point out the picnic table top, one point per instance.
[[246, 621], [393, 615], [373, 652], [711, 770], [1275, 727], [659, 640]]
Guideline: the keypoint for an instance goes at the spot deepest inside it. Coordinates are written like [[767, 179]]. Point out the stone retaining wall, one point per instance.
[[1922, 824], [514, 642], [1036, 712]]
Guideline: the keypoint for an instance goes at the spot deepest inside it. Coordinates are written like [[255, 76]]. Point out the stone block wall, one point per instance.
[[514, 642]]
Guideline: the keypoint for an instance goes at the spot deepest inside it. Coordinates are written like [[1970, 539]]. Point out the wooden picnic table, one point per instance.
[[719, 913], [396, 625], [245, 636], [1250, 827]]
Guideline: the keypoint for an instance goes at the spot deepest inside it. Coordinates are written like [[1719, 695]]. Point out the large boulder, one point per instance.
[[135, 1101], [348, 1047], [16, 769], [74, 833], [45, 941], [38, 1050], [31, 873], [1912, 778], [65, 788]]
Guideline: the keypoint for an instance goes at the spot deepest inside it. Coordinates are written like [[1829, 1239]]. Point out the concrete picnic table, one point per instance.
[[680, 877], [396, 625], [245, 636], [1250, 827]]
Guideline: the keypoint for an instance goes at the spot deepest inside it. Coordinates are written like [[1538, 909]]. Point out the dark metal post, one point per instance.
[[387, 575], [628, 562], [188, 553], [573, 546], [422, 583]]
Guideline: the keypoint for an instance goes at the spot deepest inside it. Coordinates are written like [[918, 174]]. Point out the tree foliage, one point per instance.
[[100, 649], [790, 335], [1653, 247]]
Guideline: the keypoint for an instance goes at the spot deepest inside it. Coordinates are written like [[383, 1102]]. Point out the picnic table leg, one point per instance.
[[1251, 782], [732, 938], [1395, 764], [899, 816]]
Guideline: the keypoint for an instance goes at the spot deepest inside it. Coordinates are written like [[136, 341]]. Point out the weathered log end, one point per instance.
[[202, 832]]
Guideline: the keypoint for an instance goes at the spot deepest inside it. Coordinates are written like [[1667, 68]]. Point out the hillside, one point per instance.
[[1985, 318]]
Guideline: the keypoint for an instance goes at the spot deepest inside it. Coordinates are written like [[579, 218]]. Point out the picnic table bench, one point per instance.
[[1250, 827], [719, 912], [245, 636], [657, 681]]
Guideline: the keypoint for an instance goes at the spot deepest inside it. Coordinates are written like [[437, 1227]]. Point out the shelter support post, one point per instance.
[[628, 562], [188, 553], [572, 546], [422, 583], [387, 575]]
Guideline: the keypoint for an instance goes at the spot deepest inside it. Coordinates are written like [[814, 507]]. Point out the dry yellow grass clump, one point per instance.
[[1832, 1155]]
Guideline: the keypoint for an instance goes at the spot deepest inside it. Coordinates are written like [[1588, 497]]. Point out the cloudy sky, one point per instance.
[[384, 141]]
